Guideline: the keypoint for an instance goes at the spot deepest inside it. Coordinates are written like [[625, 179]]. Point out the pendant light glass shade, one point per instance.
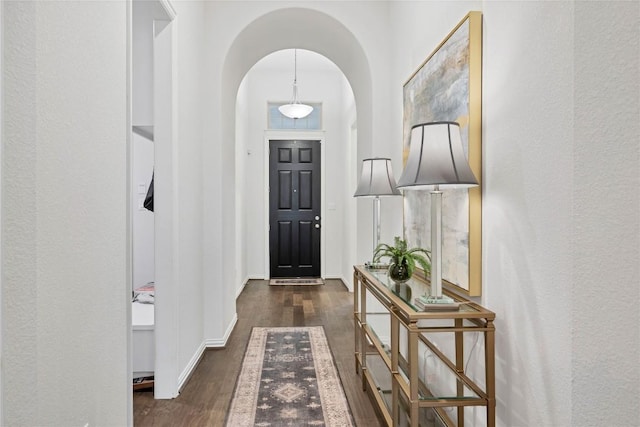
[[295, 110]]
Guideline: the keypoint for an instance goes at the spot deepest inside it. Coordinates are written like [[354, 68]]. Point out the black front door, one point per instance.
[[294, 208]]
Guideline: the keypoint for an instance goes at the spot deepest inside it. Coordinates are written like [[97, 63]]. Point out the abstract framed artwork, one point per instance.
[[448, 87]]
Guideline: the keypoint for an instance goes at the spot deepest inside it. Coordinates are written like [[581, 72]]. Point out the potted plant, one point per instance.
[[403, 261]]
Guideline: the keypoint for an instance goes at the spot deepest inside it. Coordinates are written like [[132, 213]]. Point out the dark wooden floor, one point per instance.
[[206, 396]]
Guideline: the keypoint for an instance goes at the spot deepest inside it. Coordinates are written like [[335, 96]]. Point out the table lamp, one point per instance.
[[436, 161], [376, 180]]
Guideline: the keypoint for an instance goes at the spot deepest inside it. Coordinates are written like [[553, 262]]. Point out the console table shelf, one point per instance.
[[413, 361]]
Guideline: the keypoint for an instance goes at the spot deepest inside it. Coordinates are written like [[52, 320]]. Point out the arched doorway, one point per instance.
[[268, 83], [277, 30]]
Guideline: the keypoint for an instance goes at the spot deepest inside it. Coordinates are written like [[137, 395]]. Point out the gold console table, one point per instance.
[[415, 362]]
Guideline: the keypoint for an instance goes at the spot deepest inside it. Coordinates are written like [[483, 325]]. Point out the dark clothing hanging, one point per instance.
[[148, 201]]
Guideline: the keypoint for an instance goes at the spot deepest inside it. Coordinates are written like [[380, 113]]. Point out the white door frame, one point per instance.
[[271, 135], [165, 162], [1, 160], [166, 329]]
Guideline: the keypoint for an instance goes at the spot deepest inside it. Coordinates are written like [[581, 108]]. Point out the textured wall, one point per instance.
[[189, 79], [19, 296], [527, 212], [64, 214], [606, 215]]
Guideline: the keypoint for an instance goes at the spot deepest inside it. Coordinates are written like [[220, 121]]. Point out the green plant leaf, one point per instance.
[[400, 254]]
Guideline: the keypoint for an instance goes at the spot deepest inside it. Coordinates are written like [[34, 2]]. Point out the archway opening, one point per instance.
[[282, 29], [322, 84]]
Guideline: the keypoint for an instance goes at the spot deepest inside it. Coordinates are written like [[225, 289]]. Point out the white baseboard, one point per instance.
[[191, 366], [244, 283], [221, 342], [210, 343], [241, 288], [345, 282]]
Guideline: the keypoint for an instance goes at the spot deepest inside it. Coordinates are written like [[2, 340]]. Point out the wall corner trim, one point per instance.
[[191, 367], [168, 8], [208, 343], [222, 342], [346, 283]]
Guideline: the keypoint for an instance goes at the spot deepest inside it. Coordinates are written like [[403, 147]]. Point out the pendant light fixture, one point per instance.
[[295, 110]]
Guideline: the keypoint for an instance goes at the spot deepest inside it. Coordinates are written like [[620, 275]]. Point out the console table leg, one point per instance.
[[413, 374], [363, 334], [356, 312], [490, 366], [460, 367]]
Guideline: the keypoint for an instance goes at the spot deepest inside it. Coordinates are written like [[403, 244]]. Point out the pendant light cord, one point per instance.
[[295, 110], [295, 66]]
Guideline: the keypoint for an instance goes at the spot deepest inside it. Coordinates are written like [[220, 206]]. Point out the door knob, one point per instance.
[[317, 225]]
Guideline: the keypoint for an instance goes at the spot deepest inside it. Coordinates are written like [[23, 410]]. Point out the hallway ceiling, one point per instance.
[[283, 61]]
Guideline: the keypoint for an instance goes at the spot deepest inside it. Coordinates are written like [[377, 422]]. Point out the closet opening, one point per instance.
[[152, 195]]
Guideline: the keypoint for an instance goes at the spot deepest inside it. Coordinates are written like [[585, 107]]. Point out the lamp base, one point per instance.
[[438, 300], [441, 303]]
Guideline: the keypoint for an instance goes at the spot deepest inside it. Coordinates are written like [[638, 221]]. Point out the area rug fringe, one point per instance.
[[289, 378]]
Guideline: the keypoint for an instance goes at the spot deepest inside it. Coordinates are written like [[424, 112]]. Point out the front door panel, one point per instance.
[[294, 208]]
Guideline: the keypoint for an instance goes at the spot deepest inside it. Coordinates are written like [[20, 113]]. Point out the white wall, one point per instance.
[[349, 213], [528, 141], [325, 87], [142, 62], [243, 153], [571, 68], [1, 196], [606, 214], [64, 221], [189, 183]]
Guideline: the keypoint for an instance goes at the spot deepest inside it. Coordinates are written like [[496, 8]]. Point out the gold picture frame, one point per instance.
[[448, 87]]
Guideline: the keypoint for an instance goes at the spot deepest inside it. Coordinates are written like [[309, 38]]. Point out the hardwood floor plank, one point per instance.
[[297, 299], [308, 308], [206, 396]]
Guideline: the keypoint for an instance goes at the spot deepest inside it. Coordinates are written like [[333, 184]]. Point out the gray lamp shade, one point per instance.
[[436, 158], [377, 179]]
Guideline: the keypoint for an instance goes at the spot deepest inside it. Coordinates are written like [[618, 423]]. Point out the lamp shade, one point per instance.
[[436, 158], [377, 179]]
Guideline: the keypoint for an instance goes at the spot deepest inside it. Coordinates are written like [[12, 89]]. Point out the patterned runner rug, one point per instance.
[[288, 378]]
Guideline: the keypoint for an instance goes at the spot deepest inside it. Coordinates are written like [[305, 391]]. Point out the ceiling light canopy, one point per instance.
[[295, 110]]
